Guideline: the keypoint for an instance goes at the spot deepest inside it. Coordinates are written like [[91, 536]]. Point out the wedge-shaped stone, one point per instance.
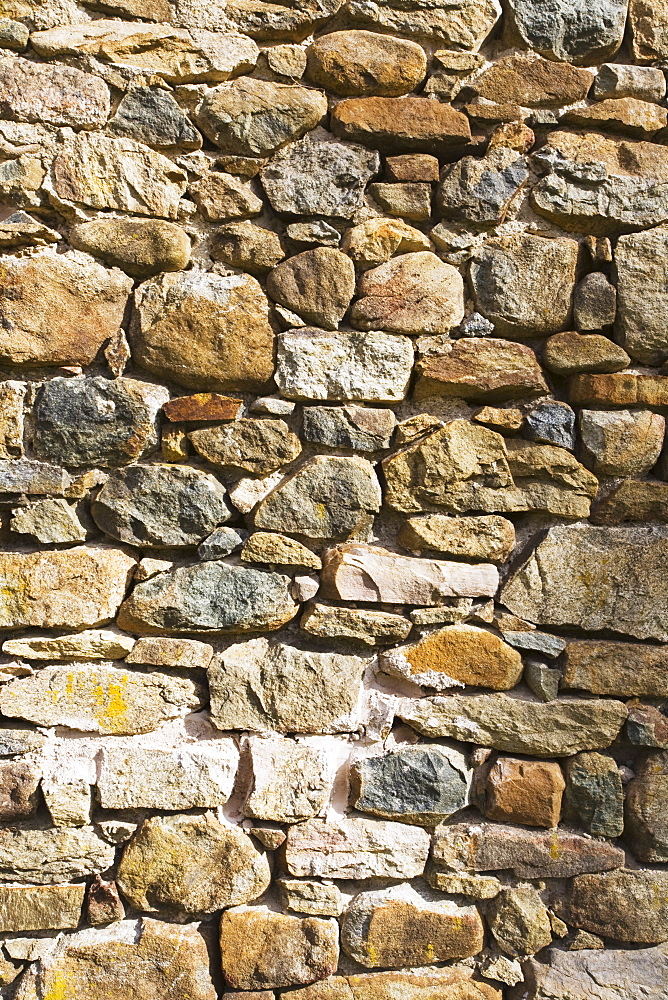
[[318, 285], [52, 95], [208, 597], [59, 308], [556, 728], [262, 20], [596, 578], [484, 847], [161, 651], [490, 370], [482, 190], [290, 781], [356, 572], [46, 857], [98, 699], [625, 115], [65, 588], [528, 80], [93, 644], [178, 56], [609, 974], [40, 908], [314, 364], [550, 479], [412, 123], [191, 864], [355, 848], [257, 686], [162, 961], [203, 330], [247, 445], [616, 668], [572, 353], [442, 983], [627, 905]]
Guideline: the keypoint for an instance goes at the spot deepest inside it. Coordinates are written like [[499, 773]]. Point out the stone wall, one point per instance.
[[333, 500]]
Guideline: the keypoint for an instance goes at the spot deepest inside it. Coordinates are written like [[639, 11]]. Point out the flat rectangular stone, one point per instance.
[[50, 856], [616, 668], [619, 389], [23, 475], [40, 908], [356, 847], [163, 651]]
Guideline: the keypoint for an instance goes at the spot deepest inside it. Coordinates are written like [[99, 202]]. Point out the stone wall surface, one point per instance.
[[333, 500]]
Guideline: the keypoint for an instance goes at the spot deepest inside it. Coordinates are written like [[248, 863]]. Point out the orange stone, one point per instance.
[[524, 791], [202, 406]]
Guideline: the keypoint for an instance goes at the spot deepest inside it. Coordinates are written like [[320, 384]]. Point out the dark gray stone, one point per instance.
[[480, 190], [594, 794], [152, 116], [552, 422], [646, 810], [358, 427], [160, 506], [96, 421], [537, 642], [221, 542], [575, 31], [415, 785]]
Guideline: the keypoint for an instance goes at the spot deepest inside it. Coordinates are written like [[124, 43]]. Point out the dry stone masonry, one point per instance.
[[333, 500]]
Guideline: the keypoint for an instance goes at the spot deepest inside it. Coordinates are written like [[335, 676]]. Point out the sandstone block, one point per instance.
[[531, 81], [612, 974], [642, 82], [489, 538], [621, 389], [443, 983], [92, 644], [645, 811], [357, 427], [247, 445], [641, 329], [51, 856], [410, 124], [490, 370], [373, 628], [220, 196], [626, 115], [625, 905], [290, 781], [376, 240], [355, 848], [49, 522], [648, 25], [247, 246], [160, 651], [363, 63], [406, 200], [307, 896], [616, 668], [317, 285], [572, 353], [633, 500], [464, 26], [525, 792], [40, 908]]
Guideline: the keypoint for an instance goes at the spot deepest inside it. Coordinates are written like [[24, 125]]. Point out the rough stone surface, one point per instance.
[[54, 95], [572, 353], [490, 370], [247, 246], [625, 905], [480, 191], [152, 116], [615, 668], [533, 82], [318, 285], [645, 811], [247, 445], [52, 856], [92, 644], [39, 908], [613, 974], [356, 848], [526, 792], [572, 32], [594, 794], [372, 628], [165, 652], [639, 329], [289, 780], [221, 196], [409, 124], [421, 785], [621, 443], [489, 538], [357, 427], [519, 922], [140, 247], [363, 63]]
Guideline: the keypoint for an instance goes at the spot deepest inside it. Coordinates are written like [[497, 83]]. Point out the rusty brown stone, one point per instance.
[[531, 81], [489, 369], [527, 792], [619, 389], [409, 123], [202, 406]]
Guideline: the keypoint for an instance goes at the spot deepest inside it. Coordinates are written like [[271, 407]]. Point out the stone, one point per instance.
[[249, 117], [407, 125], [20, 229], [49, 522], [160, 651], [633, 501], [462, 884], [518, 725], [625, 905], [640, 329], [551, 479], [59, 309], [13, 34], [357, 427], [648, 25], [176, 55], [529, 854], [328, 498], [318, 285], [260, 949], [221, 542], [523, 791], [519, 921], [316, 231], [621, 443], [257, 686], [376, 240], [442, 983], [491, 370], [409, 201], [24, 475], [504, 419], [15, 741], [645, 810], [68, 798], [533, 82], [49, 856], [356, 847], [463, 26], [645, 83], [595, 302], [414, 167], [403, 927], [233, 344], [134, 775], [140, 247], [319, 178], [594, 794], [540, 642], [159, 506], [202, 407], [38, 908], [289, 780], [616, 668], [373, 628], [191, 864], [247, 445], [247, 493], [420, 784], [410, 294], [151, 115], [221, 196], [279, 550], [571, 32], [208, 597], [481, 190], [613, 974], [103, 904], [98, 699], [348, 367], [524, 283], [551, 422], [92, 644], [622, 567], [52, 95], [317, 899], [621, 389], [247, 246], [582, 940], [287, 60], [12, 399], [19, 783], [488, 538], [456, 656], [66, 588], [573, 353], [267, 21], [364, 63], [167, 961], [626, 116]]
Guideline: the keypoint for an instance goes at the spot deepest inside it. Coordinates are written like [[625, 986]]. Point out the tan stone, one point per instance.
[[280, 550], [489, 369], [247, 445], [308, 896], [648, 23], [202, 407], [316, 284], [406, 200], [519, 921], [621, 443], [376, 240], [19, 781], [260, 948], [456, 656], [572, 353], [626, 905], [289, 780], [161, 651], [505, 420], [531, 81], [356, 63], [59, 309], [52, 95], [93, 644], [423, 984], [550, 479], [40, 908], [525, 792], [247, 246], [622, 669], [627, 115], [489, 538], [633, 500], [39, 856], [411, 123], [140, 247], [203, 330], [621, 389], [12, 398], [191, 864], [222, 196], [373, 628], [415, 167]]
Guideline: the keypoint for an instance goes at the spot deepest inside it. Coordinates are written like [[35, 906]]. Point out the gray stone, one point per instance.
[[15, 741], [645, 827], [318, 285], [595, 302], [257, 686], [319, 178], [372, 367], [317, 899], [552, 422], [164, 652], [646, 83], [642, 289], [95, 421], [318, 231], [613, 974], [152, 116], [626, 905], [24, 475], [594, 794], [329, 498], [49, 856], [373, 628], [463, 25], [357, 427], [51, 95], [421, 785], [160, 506], [208, 597], [595, 578], [621, 442], [542, 680], [249, 117], [13, 34], [481, 190], [247, 445], [519, 921], [569, 30], [537, 642], [519, 725], [221, 542], [48, 521], [289, 781]]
